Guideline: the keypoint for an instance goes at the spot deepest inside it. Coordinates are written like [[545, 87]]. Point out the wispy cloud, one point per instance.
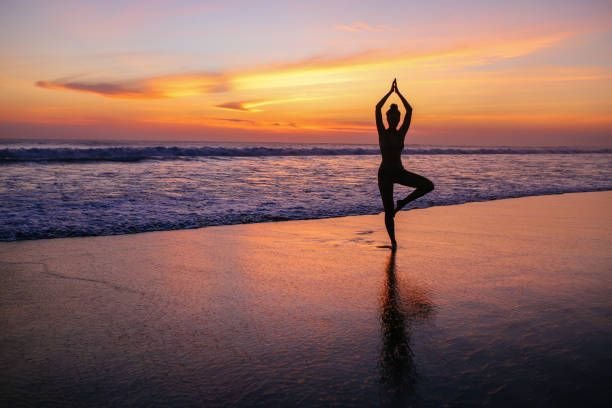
[[312, 72], [361, 26], [110, 89], [236, 120], [170, 86], [254, 106], [239, 106]]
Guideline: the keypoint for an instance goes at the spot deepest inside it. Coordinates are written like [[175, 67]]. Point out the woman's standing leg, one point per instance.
[[385, 186]]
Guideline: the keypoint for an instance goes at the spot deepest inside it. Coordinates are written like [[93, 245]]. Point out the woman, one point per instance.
[[391, 141]]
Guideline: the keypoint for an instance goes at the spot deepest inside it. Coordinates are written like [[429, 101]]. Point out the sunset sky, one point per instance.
[[476, 72]]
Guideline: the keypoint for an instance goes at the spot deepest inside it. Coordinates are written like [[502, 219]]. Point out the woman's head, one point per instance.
[[393, 116]]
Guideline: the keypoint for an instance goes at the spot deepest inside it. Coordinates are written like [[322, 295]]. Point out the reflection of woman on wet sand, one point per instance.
[[391, 171], [397, 315]]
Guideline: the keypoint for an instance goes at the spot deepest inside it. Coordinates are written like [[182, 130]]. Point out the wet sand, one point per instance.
[[506, 303]]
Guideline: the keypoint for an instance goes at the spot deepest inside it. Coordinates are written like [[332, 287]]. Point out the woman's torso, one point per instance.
[[391, 145]]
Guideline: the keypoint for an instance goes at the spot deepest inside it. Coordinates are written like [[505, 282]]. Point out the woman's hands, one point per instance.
[[379, 105], [387, 95], [394, 89]]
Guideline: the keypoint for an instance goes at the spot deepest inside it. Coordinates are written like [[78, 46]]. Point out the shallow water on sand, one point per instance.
[[502, 308], [82, 191]]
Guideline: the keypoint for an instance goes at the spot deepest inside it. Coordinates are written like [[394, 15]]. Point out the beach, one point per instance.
[[505, 303]]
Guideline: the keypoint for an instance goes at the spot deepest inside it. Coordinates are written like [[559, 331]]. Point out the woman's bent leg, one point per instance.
[[386, 193], [421, 184]]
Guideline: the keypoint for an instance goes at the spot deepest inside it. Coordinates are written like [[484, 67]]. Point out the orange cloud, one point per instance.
[[254, 106], [306, 73], [170, 86], [239, 106], [118, 90]]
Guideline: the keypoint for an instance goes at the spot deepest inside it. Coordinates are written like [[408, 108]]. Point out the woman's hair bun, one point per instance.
[[393, 108]]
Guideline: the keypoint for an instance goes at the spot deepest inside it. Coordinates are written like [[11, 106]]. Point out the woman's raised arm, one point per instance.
[[408, 109], [379, 105]]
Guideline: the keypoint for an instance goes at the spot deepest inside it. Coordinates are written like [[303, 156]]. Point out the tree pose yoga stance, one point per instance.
[[391, 170]]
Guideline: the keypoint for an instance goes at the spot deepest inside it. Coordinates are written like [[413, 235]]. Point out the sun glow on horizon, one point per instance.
[[468, 83]]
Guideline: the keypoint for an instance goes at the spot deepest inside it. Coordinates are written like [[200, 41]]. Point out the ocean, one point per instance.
[[52, 190]]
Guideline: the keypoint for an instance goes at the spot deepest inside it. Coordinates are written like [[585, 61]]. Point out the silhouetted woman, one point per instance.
[[391, 141]]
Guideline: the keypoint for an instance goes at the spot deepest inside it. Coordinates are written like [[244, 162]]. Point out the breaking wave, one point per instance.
[[140, 153]]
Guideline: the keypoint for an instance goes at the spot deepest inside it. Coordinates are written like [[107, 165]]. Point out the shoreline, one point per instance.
[[303, 219]]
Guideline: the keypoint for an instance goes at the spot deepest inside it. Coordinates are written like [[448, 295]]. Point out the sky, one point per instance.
[[517, 73]]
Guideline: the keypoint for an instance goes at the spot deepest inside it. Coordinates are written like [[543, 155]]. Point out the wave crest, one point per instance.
[[134, 154]]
